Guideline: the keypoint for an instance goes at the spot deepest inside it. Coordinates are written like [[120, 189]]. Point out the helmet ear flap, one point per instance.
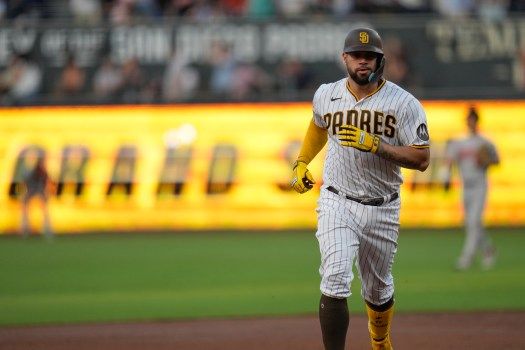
[[375, 76]]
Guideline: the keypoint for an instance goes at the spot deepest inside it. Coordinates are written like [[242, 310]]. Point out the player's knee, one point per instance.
[[336, 285], [381, 307], [378, 295], [338, 292]]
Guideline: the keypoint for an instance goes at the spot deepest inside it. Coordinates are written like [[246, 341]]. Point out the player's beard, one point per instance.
[[360, 80]]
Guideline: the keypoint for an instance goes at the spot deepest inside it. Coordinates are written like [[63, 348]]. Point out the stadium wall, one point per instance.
[[223, 166]]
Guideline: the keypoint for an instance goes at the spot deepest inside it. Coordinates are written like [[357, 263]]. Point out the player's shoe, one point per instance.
[[463, 264], [384, 344], [489, 259]]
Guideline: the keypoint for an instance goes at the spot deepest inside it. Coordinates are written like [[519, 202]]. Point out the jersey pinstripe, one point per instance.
[[390, 112], [349, 231]]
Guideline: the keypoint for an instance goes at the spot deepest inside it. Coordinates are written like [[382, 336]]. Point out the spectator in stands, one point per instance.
[[454, 8], [396, 68], [291, 8], [151, 92], [492, 10], [198, 10], [293, 77], [341, 8], [260, 9], [107, 81], [147, 8], [415, 6], [249, 82], [394, 6], [178, 7], [86, 11], [72, 80], [3, 9], [26, 9], [133, 81], [232, 79], [519, 70], [180, 80], [121, 12], [234, 8], [223, 66], [20, 82]]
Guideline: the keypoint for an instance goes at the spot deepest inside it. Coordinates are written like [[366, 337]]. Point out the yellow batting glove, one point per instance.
[[351, 136], [302, 181]]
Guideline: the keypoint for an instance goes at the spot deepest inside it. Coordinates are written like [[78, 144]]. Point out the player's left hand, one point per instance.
[[351, 136], [302, 180]]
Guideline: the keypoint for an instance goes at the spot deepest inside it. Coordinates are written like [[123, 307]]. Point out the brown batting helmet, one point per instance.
[[367, 39], [363, 39]]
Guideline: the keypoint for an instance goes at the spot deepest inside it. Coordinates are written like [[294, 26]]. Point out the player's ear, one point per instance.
[[344, 57]]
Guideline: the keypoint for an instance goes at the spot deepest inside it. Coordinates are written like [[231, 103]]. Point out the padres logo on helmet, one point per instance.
[[364, 38]]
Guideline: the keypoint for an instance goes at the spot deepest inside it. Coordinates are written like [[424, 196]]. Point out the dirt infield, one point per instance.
[[496, 330]]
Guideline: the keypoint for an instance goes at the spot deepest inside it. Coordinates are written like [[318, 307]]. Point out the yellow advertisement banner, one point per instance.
[[221, 166]]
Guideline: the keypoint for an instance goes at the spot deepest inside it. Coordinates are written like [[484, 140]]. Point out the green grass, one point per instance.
[[94, 278], [426, 280]]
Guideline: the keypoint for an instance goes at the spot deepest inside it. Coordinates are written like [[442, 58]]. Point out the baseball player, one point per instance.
[[372, 128], [473, 155], [36, 185]]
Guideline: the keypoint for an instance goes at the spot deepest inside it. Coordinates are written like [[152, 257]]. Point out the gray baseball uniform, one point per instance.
[[367, 232], [474, 178], [36, 181]]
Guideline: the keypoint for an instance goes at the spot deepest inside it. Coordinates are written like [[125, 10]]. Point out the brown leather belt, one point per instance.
[[367, 201]]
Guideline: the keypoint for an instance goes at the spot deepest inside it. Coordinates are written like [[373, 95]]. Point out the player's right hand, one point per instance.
[[302, 179]]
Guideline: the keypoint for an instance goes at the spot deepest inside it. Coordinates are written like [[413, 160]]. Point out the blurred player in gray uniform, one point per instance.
[[473, 156], [36, 184], [372, 128]]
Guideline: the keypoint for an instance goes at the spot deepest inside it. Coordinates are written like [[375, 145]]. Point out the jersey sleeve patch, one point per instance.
[[422, 132]]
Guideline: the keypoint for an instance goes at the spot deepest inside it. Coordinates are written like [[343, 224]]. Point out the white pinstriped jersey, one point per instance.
[[390, 112], [464, 151]]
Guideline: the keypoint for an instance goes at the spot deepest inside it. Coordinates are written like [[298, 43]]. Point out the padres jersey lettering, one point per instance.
[[390, 112], [374, 122]]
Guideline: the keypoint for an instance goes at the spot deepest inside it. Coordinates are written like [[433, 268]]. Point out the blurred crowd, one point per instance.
[[223, 76], [123, 11]]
